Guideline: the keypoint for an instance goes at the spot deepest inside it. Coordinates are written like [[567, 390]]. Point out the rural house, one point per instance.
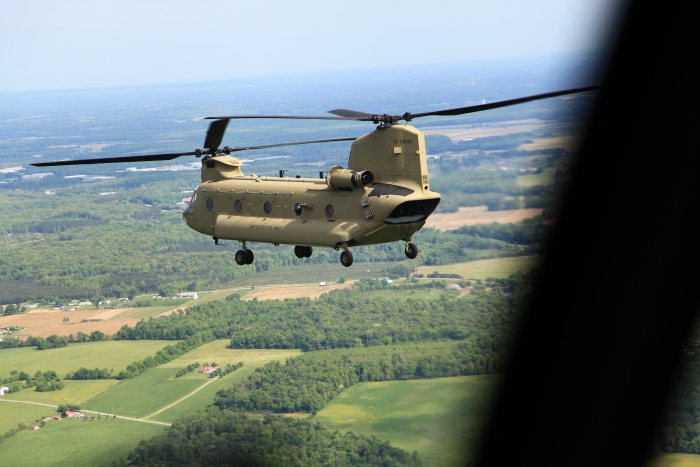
[[208, 369]]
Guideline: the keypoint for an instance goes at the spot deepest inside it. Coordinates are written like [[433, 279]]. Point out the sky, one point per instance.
[[71, 44]]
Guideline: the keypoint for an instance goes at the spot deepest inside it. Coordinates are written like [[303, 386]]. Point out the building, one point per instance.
[[208, 369], [74, 414], [34, 427], [192, 295], [4, 390], [57, 417], [452, 287]]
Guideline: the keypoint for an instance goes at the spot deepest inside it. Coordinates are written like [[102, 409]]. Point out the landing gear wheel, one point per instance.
[[308, 251], [250, 257], [411, 251], [300, 252], [241, 257], [346, 258]]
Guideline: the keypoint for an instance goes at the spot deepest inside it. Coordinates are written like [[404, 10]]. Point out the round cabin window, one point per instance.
[[210, 204], [238, 206], [268, 207], [330, 211]]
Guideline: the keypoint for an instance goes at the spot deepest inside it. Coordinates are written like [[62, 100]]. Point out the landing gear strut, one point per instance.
[[346, 258], [411, 251], [244, 256], [303, 251]]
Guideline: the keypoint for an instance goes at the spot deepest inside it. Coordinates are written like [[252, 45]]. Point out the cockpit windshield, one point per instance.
[[189, 207]]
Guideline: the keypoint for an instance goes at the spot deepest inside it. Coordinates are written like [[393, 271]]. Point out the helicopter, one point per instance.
[[382, 196]]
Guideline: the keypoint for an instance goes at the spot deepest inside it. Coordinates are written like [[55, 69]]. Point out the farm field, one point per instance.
[[12, 414], [416, 294], [465, 131], [479, 215], [110, 354], [145, 394], [144, 312], [675, 460], [75, 392], [218, 352], [203, 398], [282, 291], [544, 178], [72, 442], [312, 273], [43, 322], [568, 142], [436, 417], [157, 388], [484, 268]]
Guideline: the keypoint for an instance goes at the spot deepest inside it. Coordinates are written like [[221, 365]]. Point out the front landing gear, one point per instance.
[[244, 256], [411, 251], [346, 258]]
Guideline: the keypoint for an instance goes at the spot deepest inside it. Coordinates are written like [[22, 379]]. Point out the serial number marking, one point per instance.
[[265, 227], [403, 141]]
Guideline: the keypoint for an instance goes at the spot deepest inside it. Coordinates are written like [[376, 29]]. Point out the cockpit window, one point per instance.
[[187, 212]]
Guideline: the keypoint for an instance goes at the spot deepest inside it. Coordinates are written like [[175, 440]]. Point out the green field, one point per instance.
[[75, 392], [675, 460], [481, 269], [108, 354], [143, 312], [145, 394], [440, 418], [416, 294], [217, 352], [12, 414], [203, 398], [311, 273], [544, 178], [71, 442]]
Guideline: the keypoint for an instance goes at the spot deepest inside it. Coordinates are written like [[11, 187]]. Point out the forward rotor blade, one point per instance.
[[496, 105], [288, 117], [292, 144], [112, 160], [215, 134], [350, 113]]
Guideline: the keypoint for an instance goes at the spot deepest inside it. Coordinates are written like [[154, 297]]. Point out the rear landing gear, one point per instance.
[[411, 251], [244, 256], [303, 251], [346, 258]]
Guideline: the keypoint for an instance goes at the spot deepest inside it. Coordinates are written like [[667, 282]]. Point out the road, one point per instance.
[[92, 411]]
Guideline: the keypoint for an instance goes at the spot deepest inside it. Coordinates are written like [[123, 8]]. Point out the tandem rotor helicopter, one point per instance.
[[382, 196]]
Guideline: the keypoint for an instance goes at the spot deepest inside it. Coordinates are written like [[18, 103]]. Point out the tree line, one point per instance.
[[308, 382], [223, 437]]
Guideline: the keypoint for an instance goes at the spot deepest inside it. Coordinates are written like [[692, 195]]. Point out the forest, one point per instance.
[[223, 437], [307, 383]]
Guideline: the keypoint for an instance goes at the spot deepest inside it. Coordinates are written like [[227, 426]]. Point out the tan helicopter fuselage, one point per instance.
[[349, 207]]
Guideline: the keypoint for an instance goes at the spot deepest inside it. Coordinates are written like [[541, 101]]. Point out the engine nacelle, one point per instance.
[[343, 179]]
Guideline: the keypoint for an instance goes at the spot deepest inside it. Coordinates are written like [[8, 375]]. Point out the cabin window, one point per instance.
[[210, 204], [238, 206], [267, 207], [329, 211]]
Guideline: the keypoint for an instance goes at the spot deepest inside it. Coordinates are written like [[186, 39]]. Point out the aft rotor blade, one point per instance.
[[292, 144], [112, 160], [507, 103], [288, 117], [215, 134], [350, 113]]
